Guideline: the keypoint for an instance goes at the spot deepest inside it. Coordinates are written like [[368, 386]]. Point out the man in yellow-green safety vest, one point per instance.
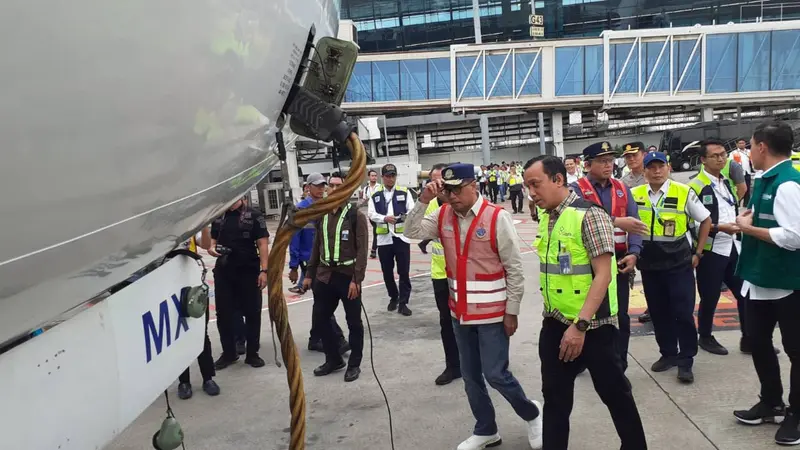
[[796, 160], [515, 189], [441, 291], [335, 272], [577, 274], [667, 262]]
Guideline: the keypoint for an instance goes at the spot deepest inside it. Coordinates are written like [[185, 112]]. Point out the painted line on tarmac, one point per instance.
[[377, 283]]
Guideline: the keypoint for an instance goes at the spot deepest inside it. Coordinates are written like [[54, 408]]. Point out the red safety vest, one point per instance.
[[619, 207], [475, 273]]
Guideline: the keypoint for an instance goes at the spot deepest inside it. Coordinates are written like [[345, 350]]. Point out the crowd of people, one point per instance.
[[595, 231]]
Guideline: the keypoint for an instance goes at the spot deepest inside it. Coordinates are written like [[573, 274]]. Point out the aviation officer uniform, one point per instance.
[[616, 199], [569, 237], [441, 292], [666, 268], [339, 258], [393, 246], [236, 281]]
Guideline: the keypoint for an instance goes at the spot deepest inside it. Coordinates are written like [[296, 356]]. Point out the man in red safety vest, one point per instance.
[[599, 187], [485, 274]]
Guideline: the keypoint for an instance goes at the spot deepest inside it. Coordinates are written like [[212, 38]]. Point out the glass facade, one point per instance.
[[391, 25]]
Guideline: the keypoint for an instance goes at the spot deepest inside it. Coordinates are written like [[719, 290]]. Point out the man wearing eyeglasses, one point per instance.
[[485, 275], [667, 263]]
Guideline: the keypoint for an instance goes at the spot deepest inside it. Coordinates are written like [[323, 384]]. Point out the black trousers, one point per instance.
[[516, 199], [399, 251], [493, 190], [623, 301], [316, 334], [670, 296], [712, 271], [762, 315], [600, 355], [205, 360], [237, 294], [328, 296], [441, 291], [483, 185], [374, 236]]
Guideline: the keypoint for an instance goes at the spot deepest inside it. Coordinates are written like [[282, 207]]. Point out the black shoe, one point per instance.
[[644, 317], [224, 361], [352, 374], [184, 391], [255, 361], [315, 346], [710, 344], [344, 347], [211, 388], [788, 434], [403, 309], [761, 413], [392, 305], [747, 348], [685, 375], [372, 254], [241, 347], [328, 368], [447, 376], [663, 364], [423, 248]]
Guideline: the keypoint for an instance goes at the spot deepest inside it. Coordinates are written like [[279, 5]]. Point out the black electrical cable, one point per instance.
[[375, 374], [172, 414]]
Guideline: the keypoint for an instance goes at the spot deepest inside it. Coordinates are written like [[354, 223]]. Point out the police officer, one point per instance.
[[240, 242], [667, 262], [388, 209], [337, 267], [601, 189], [441, 292], [577, 272]]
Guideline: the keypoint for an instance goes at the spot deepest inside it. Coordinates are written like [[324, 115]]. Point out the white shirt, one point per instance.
[[786, 235], [386, 239], [368, 191], [694, 209], [573, 178], [723, 242], [744, 160]]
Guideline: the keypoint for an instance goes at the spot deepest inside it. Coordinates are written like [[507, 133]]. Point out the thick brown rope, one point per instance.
[[278, 312]]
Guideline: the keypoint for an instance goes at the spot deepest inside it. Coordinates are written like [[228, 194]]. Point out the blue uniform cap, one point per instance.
[[456, 174], [598, 149], [655, 156]]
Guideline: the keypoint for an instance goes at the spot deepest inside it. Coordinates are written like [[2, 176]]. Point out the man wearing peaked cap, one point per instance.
[[388, 207], [633, 175], [484, 270], [600, 188]]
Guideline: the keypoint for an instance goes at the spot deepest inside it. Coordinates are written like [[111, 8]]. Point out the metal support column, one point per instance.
[[542, 148], [557, 132], [294, 178], [484, 120], [413, 154]]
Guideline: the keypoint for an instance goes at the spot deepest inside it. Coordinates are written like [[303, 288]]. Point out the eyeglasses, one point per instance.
[[450, 189], [722, 155]]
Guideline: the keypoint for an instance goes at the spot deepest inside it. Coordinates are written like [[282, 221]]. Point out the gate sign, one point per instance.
[[537, 32], [536, 20]]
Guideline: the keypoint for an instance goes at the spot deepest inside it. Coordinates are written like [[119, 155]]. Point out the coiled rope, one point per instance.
[[278, 311]]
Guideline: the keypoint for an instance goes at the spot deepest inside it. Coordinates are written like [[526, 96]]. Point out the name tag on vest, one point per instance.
[[401, 198]]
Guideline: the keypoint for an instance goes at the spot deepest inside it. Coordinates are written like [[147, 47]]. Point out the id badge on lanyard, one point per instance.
[[669, 225], [564, 260]]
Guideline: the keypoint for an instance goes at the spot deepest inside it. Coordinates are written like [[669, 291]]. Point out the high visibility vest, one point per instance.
[[192, 244], [796, 160], [438, 270], [475, 273], [726, 172], [564, 287], [398, 207], [670, 209], [492, 176], [513, 179], [334, 259], [704, 188], [619, 207]]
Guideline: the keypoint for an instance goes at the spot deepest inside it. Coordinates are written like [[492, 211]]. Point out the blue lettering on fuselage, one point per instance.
[[155, 336]]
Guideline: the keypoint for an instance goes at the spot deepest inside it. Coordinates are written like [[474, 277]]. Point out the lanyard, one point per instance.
[[724, 194], [659, 205]]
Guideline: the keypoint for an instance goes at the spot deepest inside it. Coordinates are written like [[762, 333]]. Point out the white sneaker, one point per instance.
[[480, 442], [535, 429]]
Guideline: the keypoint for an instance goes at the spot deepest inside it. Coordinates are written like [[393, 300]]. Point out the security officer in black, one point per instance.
[[335, 272], [240, 241]]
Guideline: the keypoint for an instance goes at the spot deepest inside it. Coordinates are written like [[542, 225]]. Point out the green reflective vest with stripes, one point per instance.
[[438, 265], [761, 263], [666, 247], [566, 292], [334, 259]]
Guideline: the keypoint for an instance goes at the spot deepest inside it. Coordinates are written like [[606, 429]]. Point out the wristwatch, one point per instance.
[[582, 325], [263, 271]]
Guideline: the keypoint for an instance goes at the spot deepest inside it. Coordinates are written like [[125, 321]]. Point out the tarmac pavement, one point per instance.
[[252, 411]]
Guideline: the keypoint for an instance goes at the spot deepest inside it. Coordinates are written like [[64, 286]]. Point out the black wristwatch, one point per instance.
[[582, 325], [263, 271]]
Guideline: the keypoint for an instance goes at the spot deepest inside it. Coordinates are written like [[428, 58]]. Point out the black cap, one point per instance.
[[389, 169], [633, 147], [598, 149]]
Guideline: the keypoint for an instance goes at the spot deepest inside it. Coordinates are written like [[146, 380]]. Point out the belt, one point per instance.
[[349, 262]]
